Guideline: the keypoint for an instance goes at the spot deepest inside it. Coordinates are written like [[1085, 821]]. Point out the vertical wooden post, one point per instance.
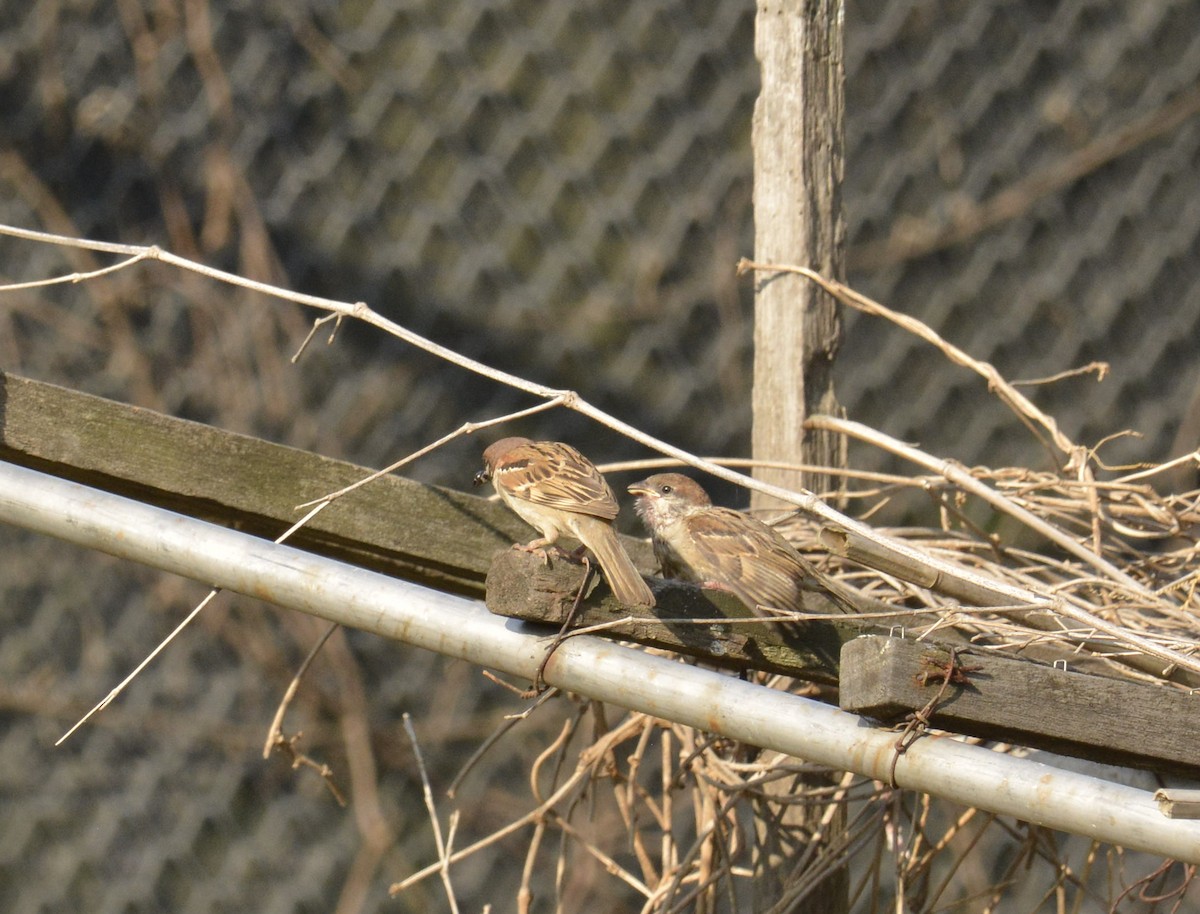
[[798, 168]]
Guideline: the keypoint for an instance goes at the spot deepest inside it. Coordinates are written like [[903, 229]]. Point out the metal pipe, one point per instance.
[[941, 766]]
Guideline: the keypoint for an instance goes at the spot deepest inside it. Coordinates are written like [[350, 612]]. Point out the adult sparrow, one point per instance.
[[557, 490], [720, 547]]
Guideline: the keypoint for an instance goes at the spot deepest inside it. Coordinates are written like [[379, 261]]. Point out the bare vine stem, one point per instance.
[[804, 500]]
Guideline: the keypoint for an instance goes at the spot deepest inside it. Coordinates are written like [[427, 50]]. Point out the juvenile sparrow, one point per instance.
[[719, 547], [557, 490]]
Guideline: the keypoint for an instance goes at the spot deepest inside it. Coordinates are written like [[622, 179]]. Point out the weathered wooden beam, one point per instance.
[[418, 532], [1117, 722], [798, 138], [448, 539], [1176, 803]]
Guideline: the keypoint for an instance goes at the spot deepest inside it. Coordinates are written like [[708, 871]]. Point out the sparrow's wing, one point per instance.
[[556, 475], [743, 554]]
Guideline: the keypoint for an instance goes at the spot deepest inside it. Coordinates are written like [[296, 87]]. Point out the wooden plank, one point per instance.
[[418, 532], [1117, 722], [447, 539], [798, 140], [1177, 803]]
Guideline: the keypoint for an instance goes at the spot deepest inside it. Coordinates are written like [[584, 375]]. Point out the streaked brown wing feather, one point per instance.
[[556, 475], [748, 557]]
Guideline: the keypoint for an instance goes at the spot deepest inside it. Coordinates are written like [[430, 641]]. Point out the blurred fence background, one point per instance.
[[561, 190]]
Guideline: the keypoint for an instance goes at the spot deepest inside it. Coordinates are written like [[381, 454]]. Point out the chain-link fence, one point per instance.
[[562, 190]]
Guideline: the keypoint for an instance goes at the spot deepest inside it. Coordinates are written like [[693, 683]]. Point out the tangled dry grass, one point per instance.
[[678, 817], [691, 823]]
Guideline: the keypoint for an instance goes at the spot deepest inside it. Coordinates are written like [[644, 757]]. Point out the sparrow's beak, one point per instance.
[[483, 476], [640, 488]]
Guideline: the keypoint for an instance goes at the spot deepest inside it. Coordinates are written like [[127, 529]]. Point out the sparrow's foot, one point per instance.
[[543, 550]]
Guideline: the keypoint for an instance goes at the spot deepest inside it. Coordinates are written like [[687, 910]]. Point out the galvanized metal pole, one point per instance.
[[1035, 792]]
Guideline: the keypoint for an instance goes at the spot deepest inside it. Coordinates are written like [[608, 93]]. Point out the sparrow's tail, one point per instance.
[[627, 585]]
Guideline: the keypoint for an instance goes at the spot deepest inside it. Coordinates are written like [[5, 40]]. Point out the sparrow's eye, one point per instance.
[[665, 489]]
